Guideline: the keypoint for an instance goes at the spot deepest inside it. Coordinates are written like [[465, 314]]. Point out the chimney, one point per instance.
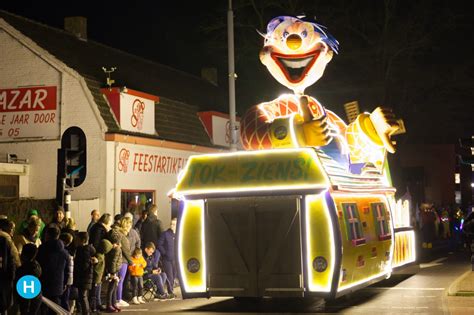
[[76, 25], [209, 74]]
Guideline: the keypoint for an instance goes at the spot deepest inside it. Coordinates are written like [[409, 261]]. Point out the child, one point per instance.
[[29, 266], [103, 249], [136, 274], [83, 266], [113, 261]]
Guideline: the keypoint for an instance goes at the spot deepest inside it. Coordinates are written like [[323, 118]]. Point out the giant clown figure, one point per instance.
[[296, 53]]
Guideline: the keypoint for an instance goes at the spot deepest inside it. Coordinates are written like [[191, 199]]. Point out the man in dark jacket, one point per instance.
[[151, 228], [54, 262], [166, 246], [83, 268], [153, 271]]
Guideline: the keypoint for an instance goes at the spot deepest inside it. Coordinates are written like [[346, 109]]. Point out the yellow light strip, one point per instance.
[[200, 285], [309, 262], [411, 249]]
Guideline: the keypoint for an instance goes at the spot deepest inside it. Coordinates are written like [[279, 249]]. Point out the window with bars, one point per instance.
[[353, 225], [380, 219]]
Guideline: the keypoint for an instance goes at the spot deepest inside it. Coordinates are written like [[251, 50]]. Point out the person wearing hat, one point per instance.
[[24, 224]]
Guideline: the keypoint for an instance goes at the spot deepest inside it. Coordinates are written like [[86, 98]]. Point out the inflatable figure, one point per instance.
[[296, 53]]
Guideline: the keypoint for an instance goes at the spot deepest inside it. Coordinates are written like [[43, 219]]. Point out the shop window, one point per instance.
[[353, 225], [380, 218], [135, 201]]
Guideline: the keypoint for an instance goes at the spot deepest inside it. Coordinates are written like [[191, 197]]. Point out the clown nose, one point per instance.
[[293, 41]]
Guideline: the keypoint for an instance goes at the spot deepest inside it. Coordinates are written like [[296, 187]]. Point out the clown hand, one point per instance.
[[385, 124], [316, 131]]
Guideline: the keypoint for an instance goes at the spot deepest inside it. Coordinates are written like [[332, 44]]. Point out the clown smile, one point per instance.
[[295, 67]]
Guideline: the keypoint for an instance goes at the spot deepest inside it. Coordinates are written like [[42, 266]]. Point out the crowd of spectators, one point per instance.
[[91, 271]]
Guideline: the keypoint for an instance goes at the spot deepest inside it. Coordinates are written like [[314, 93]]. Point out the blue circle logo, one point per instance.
[[28, 287]]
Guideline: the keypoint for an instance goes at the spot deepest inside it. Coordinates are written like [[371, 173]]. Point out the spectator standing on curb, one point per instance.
[[31, 267], [83, 269], [105, 246], [113, 262], [151, 228], [133, 236], [67, 239], [24, 224], [59, 218], [99, 231], [95, 215], [122, 228], [54, 262], [143, 217], [166, 246], [136, 276], [29, 235], [9, 262]]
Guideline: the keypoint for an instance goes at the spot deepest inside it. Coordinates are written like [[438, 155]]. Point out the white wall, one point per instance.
[[23, 64]]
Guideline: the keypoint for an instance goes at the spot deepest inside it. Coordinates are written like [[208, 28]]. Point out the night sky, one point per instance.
[[413, 56]]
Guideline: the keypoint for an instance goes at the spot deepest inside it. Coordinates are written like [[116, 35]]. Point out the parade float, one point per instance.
[[308, 208]]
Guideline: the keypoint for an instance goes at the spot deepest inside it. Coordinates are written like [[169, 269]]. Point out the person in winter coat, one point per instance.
[[67, 239], [143, 217], [54, 261], [59, 218], [31, 267], [24, 224], [151, 228], [83, 270], [153, 271], [105, 246], [123, 228], [9, 262], [29, 235], [166, 246], [133, 236], [113, 262], [99, 230], [136, 275]]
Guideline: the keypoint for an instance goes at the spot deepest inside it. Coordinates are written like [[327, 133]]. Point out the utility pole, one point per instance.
[[232, 76]]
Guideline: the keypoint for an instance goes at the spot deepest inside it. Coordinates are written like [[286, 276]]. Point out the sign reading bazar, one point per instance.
[[29, 112], [250, 171]]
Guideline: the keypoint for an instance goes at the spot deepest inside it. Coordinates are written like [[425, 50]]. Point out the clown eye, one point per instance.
[[304, 34], [285, 34]]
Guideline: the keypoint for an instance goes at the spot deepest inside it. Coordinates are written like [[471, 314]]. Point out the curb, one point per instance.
[[452, 290]]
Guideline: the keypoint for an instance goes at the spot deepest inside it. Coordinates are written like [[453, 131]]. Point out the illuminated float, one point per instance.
[[308, 209]]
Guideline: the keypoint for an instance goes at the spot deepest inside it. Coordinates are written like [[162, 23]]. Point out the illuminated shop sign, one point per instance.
[[131, 161], [29, 112]]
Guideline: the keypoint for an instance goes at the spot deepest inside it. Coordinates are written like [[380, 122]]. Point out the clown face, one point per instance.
[[296, 52]]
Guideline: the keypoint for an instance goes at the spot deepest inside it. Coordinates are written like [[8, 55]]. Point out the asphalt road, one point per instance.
[[422, 293]]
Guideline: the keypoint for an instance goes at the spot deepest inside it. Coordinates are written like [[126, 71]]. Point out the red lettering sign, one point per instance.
[[150, 163], [28, 99]]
